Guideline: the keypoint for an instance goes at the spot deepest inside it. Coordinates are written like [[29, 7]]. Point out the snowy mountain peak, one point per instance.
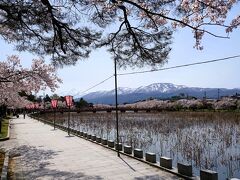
[[125, 90], [156, 87], [121, 90], [159, 87]]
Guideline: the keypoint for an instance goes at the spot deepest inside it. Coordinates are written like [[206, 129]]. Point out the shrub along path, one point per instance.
[[39, 152], [4, 128]]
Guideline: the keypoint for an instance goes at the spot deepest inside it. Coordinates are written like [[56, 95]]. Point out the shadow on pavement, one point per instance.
[[154, 177], [35, 163], [127, 164], [69, 136]]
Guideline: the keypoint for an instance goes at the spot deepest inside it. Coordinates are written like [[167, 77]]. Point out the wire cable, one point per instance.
[[179, 66], [97, 84]]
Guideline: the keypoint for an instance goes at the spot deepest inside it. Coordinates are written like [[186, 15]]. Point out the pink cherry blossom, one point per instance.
[[14, 79]]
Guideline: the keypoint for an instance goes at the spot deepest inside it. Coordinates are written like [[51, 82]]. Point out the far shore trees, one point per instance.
[[82, 103]]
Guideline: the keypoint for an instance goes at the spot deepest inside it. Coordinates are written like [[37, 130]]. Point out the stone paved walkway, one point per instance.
[[43, 153]]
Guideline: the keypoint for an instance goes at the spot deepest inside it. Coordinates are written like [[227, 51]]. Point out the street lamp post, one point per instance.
[[69, 103], [116, 105], [54, 103]]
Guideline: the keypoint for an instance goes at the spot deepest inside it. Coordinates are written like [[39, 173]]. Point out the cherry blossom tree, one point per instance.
[[136, 32], [226, 104], [14, 79]]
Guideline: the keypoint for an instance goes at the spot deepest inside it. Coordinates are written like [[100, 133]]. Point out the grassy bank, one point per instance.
[[4, 132]]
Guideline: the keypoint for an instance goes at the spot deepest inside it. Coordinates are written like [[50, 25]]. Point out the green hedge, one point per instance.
[[4, 132]]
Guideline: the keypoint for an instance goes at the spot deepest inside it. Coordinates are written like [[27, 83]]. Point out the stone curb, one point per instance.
[[5, 167]]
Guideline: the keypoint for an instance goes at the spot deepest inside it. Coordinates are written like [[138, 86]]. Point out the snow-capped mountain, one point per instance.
[[159, 87], [121, 90], [156, 90]]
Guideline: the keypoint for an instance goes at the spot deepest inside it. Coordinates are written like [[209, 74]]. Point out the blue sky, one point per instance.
[[224, 74]]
